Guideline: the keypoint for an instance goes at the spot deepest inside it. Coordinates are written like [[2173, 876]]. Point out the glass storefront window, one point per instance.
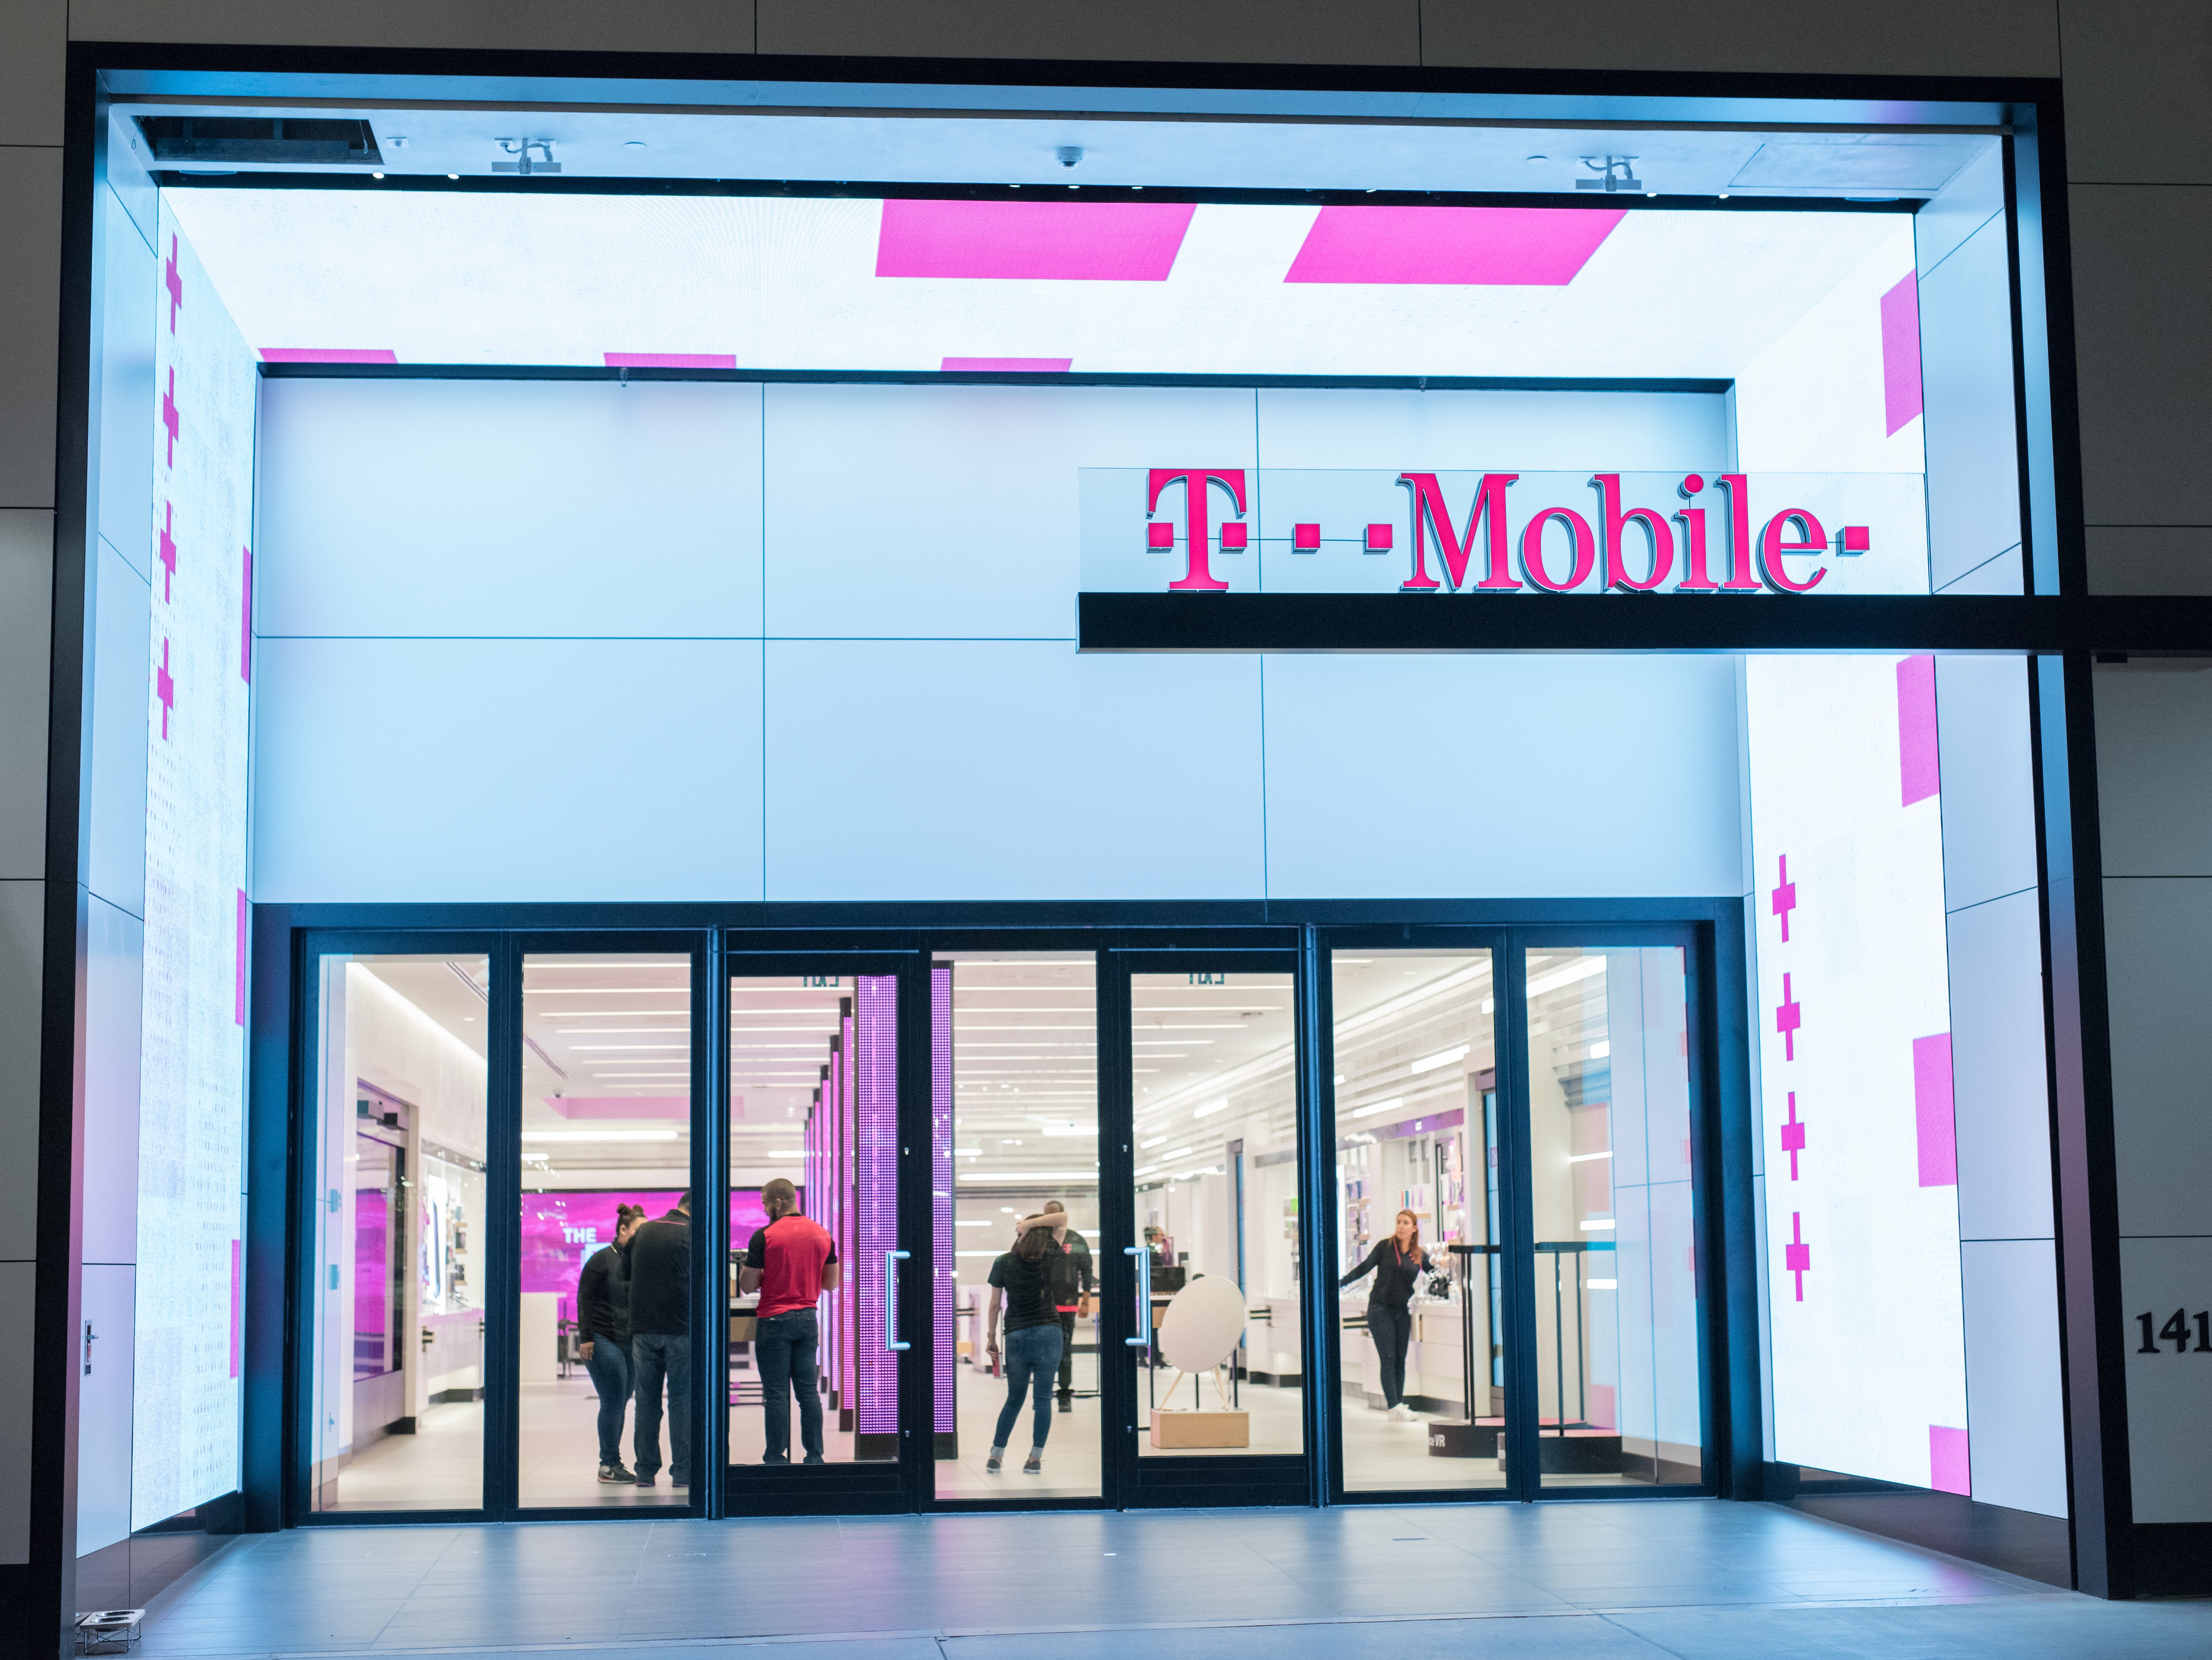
[[1214, 1068], [605, 1317], [397, 1395], [1418, 1232]]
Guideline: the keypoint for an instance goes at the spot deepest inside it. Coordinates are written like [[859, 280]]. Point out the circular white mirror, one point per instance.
[[1202, 1323]]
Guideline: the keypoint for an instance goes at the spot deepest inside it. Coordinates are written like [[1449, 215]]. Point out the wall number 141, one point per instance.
[[2176, 1331]]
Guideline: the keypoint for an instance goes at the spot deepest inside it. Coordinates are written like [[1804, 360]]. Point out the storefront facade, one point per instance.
[[1240, 704]]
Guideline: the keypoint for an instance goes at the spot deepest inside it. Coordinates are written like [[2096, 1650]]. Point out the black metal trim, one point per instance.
[[2172, 626]]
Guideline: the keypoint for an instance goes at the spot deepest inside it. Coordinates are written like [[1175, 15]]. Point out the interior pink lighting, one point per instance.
[[1040, 241], [1950, 1462], [1004, 365], [670, 360], [621, 1106], [1544, 247], [1900, 352], [327, 354]]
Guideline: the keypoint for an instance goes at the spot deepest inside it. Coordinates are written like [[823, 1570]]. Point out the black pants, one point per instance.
[[1392, 1330], [1067, 1354]]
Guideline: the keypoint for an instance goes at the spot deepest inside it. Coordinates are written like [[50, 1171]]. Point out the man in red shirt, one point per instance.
[[791, 1263]]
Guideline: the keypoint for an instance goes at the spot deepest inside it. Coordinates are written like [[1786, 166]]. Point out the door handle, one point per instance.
[[1144, 1300], [891, 1260]]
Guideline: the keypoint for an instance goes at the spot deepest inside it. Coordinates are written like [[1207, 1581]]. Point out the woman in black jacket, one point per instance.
[[1397, 1264], [603, 1336]]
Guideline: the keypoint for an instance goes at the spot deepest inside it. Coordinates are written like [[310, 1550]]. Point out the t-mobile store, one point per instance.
[[1446, 715]]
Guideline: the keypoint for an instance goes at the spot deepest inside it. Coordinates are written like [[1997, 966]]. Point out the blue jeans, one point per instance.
[[657, 1358], [1032, 1357], [608, 1366], [783, 1344]]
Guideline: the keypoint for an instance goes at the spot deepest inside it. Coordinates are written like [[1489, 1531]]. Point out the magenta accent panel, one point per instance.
[[372, 1284], [1537, 247], [1931, 1111], [560, 1231], [237, 1304], [1034, 241], [1900, 352], [246, 620], [619, 1106], [875, 1191], [942, 1270], [327, 354], [239, 990], [1006, 365], [1920, 772], [1950, 1462], [670, 360]]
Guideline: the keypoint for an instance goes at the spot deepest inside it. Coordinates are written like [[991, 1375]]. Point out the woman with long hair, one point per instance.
[[1397, 1264], [1022, 1279]]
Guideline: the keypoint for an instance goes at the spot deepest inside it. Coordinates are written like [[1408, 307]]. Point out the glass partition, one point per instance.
[[604, 1325], [1419, 1237], [1612, 1161], [1214, 1069], [397, 1395]]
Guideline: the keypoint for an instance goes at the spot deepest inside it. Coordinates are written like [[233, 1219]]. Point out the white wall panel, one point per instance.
[[1493, 431], [114, 983], [1989, 784], [122, 617], [1403, 777], [1966, 380], [444, 508], [2001, 1098], [125, 456], [1009, 769], [2002, 574], [27, 564], [2158, 958], [104, 1434], [507, 770], [950, 512], [1973, 197], [2155, 770], [2015, 1410]]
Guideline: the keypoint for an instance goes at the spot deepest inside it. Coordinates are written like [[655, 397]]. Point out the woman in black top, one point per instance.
[[603, 1337], [1023, 1278], [1397, 1264]]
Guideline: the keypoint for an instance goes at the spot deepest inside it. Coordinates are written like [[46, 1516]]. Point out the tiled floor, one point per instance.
[[1688, 1578]]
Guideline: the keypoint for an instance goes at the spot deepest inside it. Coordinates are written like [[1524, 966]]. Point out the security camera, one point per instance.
[[1069, 154]]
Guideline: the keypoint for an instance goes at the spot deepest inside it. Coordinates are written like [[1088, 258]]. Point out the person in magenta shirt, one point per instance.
[[791, 1263]]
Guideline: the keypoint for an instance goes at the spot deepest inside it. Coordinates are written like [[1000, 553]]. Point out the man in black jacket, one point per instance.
[[1068, 1259], [660, 1341], [603, 1337]]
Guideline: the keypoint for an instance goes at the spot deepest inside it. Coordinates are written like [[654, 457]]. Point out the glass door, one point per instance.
[[1214, 1261]]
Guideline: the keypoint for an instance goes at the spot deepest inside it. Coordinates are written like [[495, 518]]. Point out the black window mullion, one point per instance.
[[1517, 1202], [1117, 1227], [710, 1214], [1322, 1401], [500, 1232]]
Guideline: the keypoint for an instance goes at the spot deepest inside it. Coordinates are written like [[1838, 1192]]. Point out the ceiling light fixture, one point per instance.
[[602, 1135], [1395, 1102], [1443, 1058]]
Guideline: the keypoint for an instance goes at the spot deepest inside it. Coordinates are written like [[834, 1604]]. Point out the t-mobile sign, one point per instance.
[[1220, 530]]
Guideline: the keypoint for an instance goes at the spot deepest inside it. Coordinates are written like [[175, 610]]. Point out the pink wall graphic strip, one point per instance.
[[328, 354], [1932, 1116], [1036, 241], [1542, 247], [670, 360], [1950, 1462], [1920, 772], [1006, 365], [1900, 352]]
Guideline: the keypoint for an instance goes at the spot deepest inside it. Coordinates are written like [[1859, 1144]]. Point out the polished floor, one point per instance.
[[1697, 1579]]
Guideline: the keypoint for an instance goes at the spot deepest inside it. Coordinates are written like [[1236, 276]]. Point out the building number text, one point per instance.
[[2176, 1331]]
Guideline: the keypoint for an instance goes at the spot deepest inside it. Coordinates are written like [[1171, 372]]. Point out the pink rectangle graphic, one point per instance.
[[1004, 365], [246, 620], [1950, 1462], [327, 354], [620, 1106], [1919, 767], [1035, 241], [1900, 352], [241, 957], [1540, 248], [670, 360], [1934, 1129], [237, 1303]]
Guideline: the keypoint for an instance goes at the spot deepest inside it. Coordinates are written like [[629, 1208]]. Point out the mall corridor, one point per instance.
[[1696, 1578]]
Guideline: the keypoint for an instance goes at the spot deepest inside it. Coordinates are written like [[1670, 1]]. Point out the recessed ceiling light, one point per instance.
[[453, 175]]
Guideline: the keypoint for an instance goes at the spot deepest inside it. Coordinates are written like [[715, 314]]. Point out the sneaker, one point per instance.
[[991, 1464], [816, 1459], [616, 1475], [645, 1478], [1067, 1405], [1034, 1464], [683, 1481], [778, 1459]]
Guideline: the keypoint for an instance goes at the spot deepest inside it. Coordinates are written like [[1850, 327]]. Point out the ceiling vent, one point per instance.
[[251, 142]]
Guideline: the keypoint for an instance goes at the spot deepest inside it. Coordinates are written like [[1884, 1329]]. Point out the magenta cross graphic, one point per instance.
[[1787, 1019], [173, 280], [169, 548], [1793, 1136], [169, 417], [165, 689], [1797, 1255], [1785, 898]]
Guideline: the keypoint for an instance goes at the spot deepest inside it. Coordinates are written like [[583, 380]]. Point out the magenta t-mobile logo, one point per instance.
[[1198, 484]]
